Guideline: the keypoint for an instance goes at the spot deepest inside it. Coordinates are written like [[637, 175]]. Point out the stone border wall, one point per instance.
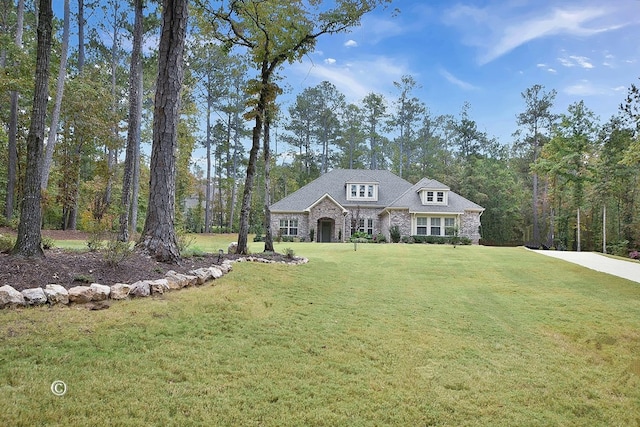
[[97, 293]]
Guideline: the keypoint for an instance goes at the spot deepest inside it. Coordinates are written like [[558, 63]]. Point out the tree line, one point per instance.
[[206, 75]]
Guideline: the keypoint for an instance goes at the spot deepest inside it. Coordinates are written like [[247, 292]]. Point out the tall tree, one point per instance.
[[159, 235], [351, 141], [408, 114], [132, 156], [55, 116], [330, 104], [276, 32], [28, 242], [374, 110], [300, 128], [536, 121], [12, 147], [568, 160]]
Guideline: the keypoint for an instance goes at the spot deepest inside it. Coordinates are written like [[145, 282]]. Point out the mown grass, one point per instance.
[[386, 335]]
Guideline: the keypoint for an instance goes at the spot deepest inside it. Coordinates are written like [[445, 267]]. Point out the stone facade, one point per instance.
[[398, 217], [303, 224], [327, 209], [470, 226], [362, 213]]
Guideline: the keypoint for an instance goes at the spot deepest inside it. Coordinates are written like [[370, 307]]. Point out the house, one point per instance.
[[343, 201]]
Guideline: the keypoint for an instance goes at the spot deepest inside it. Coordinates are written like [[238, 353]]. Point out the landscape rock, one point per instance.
[[232, 248], [216, 273], [226, 266], [9, 297], [100, 292], [203, 275], [158, 286], [140, 289], [80, 294], [175, 281], [34, 296], [56, 294], [120, 291]]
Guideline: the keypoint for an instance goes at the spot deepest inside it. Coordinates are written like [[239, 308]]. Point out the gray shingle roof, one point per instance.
[[411, 199], [333, 183], [393, 192]]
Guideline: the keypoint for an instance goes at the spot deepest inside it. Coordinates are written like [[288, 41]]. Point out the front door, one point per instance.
[[325, 231]]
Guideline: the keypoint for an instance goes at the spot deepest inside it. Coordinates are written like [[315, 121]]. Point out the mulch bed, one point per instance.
[[73, 268]]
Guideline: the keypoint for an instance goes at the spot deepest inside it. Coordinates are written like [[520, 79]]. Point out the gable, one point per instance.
[[334, 184]]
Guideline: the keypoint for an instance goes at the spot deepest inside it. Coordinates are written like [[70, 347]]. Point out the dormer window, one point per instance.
[[434, 197], [362, 191]]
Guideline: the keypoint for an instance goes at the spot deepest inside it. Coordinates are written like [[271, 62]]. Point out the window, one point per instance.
[[422, 226], [364, 191], [433, 197], [288, 227], [449, 226], [435, 227], [365, 225], [430, 226]]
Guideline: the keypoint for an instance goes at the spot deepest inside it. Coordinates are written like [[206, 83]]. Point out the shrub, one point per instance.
[[394, 233], [7, 243], [407, 239], [312, 234], [634, 255], [258, 238], [464, 241], [116, 251], [619, 248], [95, 242], [48, 243], [380, 238], [185, 240], [360, 237], [289, 253]]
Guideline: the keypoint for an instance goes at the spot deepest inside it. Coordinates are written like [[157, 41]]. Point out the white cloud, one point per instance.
[[583, 88], [509, 28], [575, 60], [355, 79], [351, 43], [456, 81], [329, 61], [582, 61]]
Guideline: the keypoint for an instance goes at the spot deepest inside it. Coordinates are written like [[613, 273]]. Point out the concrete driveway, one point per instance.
[[626, 269]]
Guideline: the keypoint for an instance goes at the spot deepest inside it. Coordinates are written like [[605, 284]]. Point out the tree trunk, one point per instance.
[[29, 238], [12, 147], [268, 238], [243, 232], [159, 236], [234, 172], [55, 117], [80, 35], [207, 202], [135, 119]]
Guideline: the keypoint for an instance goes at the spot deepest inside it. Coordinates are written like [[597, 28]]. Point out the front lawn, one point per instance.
[[390, 334]]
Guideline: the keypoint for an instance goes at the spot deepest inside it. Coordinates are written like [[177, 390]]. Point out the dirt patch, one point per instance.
[[73, 268]]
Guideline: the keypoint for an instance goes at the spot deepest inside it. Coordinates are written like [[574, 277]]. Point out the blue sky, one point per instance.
[[483, 52], [486, 53]]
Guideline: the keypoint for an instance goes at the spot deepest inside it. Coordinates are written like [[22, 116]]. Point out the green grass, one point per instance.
[[389, 334]]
